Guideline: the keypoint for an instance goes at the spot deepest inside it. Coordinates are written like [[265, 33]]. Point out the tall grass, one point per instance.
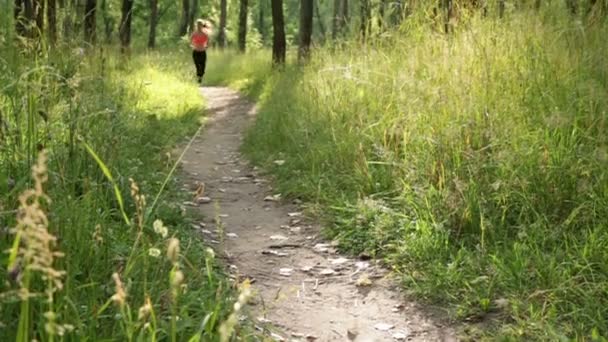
[[88, 259], [474, 164]]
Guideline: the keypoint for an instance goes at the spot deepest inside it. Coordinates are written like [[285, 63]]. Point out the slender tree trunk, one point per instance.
[[125, 25], [194, 11], [90, 21], [317, 8], [365, 18], [344, 16], [108, 22], [39, 12], [537, 4], [381, 13], [335, 20], [501, 8], [183, 26], [306, 17], [243, 14], [221, 36], [278, 28], [261, 20], [153, 22], [51, 21], [572, 6]]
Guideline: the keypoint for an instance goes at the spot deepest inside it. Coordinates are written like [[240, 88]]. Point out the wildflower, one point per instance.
[[160, 229], [154, 252], [145, 310], [173, 250], [120, 296], [210, 253]]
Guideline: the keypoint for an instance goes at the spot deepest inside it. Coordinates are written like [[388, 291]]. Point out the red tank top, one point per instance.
[[199, 40]]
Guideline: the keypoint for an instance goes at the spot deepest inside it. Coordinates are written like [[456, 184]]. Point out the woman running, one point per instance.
[[198, 42]]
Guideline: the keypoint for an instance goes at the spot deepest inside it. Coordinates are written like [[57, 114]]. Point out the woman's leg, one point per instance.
[[203, 62], [196, 56]]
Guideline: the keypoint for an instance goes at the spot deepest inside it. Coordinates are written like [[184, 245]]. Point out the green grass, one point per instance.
[[131, 113], [474, 164]]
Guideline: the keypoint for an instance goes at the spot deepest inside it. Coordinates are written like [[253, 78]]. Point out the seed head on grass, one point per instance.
[[227, 328], [120, 297], [160, 228]]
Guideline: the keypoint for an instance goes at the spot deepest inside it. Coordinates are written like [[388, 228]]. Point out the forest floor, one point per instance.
[[304, 290]]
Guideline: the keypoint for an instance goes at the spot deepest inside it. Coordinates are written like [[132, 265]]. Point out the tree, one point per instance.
[[90, 21], [193, 12], [366, 15], [18, 16], [183, 26], [319, 20], [306, 13], [335, 20], [39, 14], [221, 36], [125, 25], [261, 19], [243, 13], [153, 23], [344, 19], [51, 21], [278, 29]]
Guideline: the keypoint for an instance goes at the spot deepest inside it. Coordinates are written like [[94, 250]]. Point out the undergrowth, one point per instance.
[[474, 163], [101, 248]]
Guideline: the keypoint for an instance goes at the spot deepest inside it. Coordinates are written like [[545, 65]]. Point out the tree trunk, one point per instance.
[[278, 28], [344, 19], [125, 25], [381, 13], [306, 13], [501, 8], [335, 20], [365, 18], [39, 12], [243, 14], [193, 13], [153, 22], [537, 4], [317, 6], [28, 17], [90, 24], [572, 6], [221, 36], [183, 26], [51, 21], [261, 20]]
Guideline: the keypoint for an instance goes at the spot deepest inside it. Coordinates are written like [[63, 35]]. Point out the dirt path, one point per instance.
[[304, 289]]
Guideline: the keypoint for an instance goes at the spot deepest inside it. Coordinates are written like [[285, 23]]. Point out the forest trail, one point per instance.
[[304, 290]]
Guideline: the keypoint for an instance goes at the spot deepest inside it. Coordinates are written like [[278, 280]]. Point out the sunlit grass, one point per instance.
[[473, 163]]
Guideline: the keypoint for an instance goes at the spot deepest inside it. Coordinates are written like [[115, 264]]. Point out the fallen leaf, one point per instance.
[[321, 247], [275, 253], [203, 200], [286, 272], [232, 235], [306, 268], [273, 198], [327, 271], [361, 265], [383, 326], [363, 281], [295, 229], [294, 214], [223, 215], [400, 336], [279, 162], [277, 337], [278, 237], [339, 261]]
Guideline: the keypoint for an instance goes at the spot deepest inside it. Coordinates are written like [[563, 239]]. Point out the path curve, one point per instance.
[[305, 290]]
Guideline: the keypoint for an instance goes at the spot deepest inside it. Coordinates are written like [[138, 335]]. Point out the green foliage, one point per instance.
[[103, 120], [475, 163]]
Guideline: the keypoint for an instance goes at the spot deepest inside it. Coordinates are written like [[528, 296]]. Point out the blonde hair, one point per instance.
[[203, 25]]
